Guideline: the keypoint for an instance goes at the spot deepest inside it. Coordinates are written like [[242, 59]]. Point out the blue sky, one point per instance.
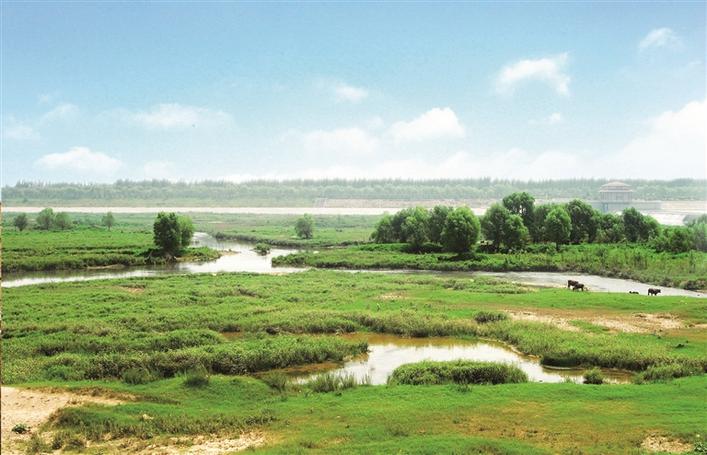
[[192, 91]]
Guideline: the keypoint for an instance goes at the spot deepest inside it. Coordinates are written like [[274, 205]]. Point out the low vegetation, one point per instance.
[[457, 372], [684, 270], [186, 348]]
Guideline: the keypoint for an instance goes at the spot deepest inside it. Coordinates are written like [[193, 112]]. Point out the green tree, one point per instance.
[[62, 221], [610, 228], [304, 227], [186, 231], [676, 239], [639, 228], [108, 220], [167, 235], [515, 234], [461, 230], [438, 218], [558, 226], [384, 232], [521, 204], [537, 228], [396, 223], [493, 224], [45, 219], [584, 221], [415, 228], [21, 222], [699, 232]]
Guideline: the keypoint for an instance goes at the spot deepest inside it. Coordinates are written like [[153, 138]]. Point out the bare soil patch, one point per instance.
[[634, 323], [33, 407], [196, 445], [655, 443]]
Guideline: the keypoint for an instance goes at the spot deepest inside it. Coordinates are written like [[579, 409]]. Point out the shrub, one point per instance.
[[331, 382], [20, 428], [304, 227], [262, 248], [457, 372], [593, 376], [197, 377], [277, 381], [136, 376], [483, 317], [666, 372]]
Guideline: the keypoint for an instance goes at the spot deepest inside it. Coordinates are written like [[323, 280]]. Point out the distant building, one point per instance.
[[615, 196]]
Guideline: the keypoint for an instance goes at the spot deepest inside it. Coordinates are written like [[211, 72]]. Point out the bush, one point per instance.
[[331, 382], [20, 428], [277, 381], [304, 227], [594, 376], [137, 376], [666, 372], [457, 372], [262, 248], [483, 317], [197, 377]]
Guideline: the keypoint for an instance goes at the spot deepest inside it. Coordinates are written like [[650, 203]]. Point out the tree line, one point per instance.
[[517, 221], [307, 192], [47, 220]]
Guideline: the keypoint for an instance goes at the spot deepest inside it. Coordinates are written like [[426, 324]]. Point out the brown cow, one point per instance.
[[571, 283], [653, 291], [579, 287]]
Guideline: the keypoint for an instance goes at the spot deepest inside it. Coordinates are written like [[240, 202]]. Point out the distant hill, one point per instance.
[[322, 192]]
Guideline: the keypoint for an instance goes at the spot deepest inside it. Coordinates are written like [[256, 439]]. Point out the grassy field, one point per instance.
[[82, 248], [150, 338], [686, 270]]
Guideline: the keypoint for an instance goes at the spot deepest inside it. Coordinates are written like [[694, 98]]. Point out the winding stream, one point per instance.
[[387, 352], [240, 257]]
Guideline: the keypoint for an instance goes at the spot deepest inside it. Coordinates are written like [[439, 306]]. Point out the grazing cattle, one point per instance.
[[653, 291], [571, 283], [578, 287], [633, 292]]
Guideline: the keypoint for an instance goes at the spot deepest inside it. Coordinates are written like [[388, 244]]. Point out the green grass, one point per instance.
[[457, 372], [147, 336], [686, 270], [83, 248]]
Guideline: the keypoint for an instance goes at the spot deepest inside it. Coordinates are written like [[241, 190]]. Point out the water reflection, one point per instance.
[[387, 352]]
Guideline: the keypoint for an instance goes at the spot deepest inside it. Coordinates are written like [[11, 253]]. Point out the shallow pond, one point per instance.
[[236, 257], [387, 352]]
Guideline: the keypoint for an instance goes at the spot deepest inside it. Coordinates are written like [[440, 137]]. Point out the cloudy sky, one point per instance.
[[243, 91]]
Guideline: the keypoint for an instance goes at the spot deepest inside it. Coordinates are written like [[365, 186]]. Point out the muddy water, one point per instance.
[[593, 282], [387, 352], [236, 257]]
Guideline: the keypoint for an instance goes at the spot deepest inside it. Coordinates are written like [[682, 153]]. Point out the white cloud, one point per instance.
[[660, 37], [20, 132], [158, 169], [550, 70], [80, 159], [552, 119], [64, 111], [433, 124], [342, 141], [345, 92], [173, 115], [674, 146]]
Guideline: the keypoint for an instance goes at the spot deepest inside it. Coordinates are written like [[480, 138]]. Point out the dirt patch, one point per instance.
[[33, 407], [635, 323], [392, 296], [656, 443], [557, 321], [130, 290], [197, 445]]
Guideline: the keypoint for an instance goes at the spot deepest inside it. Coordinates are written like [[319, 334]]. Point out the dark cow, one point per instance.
[[633, 292], [571, 283], [578, 287], [653, 291]]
